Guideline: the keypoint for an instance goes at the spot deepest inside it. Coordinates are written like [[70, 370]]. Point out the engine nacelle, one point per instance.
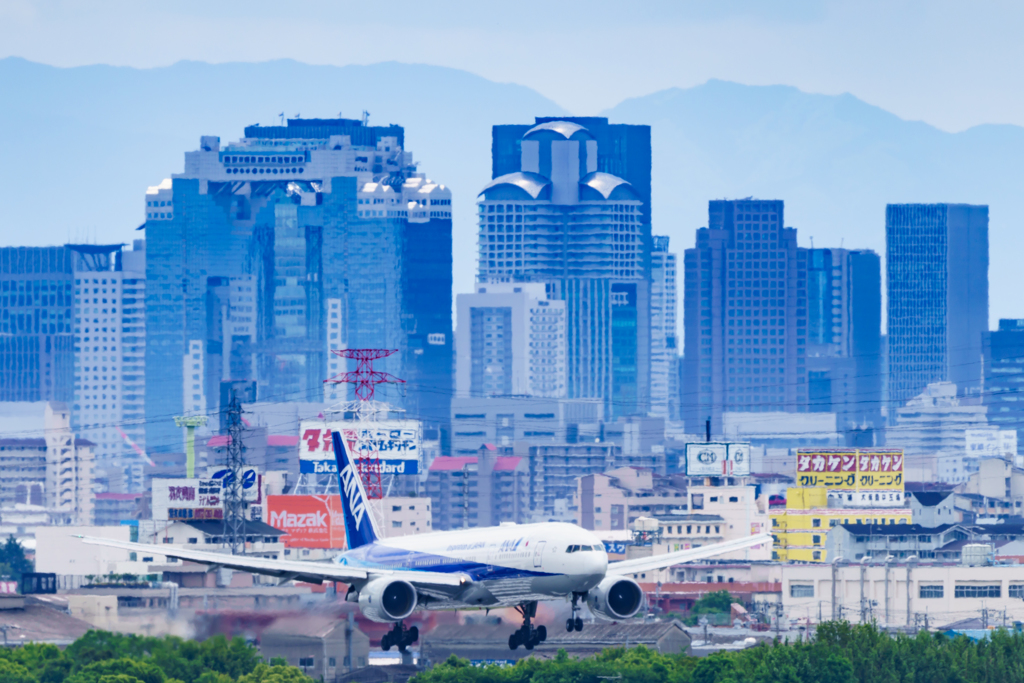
[[615, 598], [385, 600]]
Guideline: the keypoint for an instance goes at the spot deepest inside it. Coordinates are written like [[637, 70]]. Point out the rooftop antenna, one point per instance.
[[282, 118], [366, 117]]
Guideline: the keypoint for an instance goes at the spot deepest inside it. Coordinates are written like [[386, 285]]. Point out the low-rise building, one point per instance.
[[943, 543], [477, 491], [323, 646], [113, 508]]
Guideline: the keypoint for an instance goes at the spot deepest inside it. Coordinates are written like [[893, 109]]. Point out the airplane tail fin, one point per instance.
[[360, 526]]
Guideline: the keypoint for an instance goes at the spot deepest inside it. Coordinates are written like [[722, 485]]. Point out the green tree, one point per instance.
[[264, 673]]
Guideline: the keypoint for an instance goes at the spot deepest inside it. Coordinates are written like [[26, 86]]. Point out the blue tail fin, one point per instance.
[[360, 526]]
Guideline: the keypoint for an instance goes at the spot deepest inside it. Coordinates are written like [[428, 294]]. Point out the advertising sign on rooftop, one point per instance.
[[396, 443], [308, 521], [717, 459], [850, 468]]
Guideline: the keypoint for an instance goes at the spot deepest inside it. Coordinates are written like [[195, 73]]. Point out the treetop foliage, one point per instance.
[[839, 653], [103, 657]]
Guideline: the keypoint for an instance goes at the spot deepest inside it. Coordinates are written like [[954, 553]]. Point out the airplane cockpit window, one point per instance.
[[572, 549]]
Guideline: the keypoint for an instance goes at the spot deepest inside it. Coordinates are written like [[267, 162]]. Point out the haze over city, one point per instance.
[[369, 335]]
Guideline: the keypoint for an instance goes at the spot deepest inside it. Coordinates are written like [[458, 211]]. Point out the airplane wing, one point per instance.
[[286, 570], [644, 564]]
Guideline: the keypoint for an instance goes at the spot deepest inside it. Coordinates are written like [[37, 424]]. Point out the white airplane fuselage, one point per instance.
[[504, 565]]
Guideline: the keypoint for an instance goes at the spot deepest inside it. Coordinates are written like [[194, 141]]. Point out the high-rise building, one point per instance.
[[36, 336], [510, 341], [844, 319], [1004, 377], [109, 360], [342, 244], [745, 315], [937, 285], [559, 220], [623, 150], [664, 351]]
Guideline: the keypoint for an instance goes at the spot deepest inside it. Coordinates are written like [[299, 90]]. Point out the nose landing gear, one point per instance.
[[399, 636], [528, 636], [575, 623]]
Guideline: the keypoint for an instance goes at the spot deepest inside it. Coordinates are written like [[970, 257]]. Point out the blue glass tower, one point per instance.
[[267, 253]]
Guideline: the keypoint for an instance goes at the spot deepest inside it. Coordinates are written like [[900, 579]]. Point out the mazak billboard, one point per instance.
[[308, 521]]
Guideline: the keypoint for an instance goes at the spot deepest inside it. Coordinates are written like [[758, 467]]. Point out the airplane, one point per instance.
[[511, 565]]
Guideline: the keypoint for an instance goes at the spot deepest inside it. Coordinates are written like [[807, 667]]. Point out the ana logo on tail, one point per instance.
[[350, 489]]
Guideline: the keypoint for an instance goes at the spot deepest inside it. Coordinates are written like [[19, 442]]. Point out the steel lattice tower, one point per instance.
[[365, 379], [234, 500]]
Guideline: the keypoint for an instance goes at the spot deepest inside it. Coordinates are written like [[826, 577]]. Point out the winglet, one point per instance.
[[360, 526]]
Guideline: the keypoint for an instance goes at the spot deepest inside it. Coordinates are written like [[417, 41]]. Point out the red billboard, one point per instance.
[[308, 521]]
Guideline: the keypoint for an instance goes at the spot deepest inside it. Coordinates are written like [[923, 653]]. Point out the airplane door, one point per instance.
[[537, 552]]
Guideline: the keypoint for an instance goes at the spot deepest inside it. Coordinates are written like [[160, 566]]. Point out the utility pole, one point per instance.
[[234, 500], [863, 604], [888, 566], [910, 568], [984, 617], [778, 617], [835, 576]]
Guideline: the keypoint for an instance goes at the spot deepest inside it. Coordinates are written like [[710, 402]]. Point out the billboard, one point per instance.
[[197, 499], [395, 442], [852, 469], [991, 443], [308, 521], [717, 459]]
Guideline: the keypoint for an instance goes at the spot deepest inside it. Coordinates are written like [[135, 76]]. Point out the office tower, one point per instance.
[[109, 361], [745, 315], [1004, 377], [663, 326], [561, 221], [623, 150], [509, 341], [844, 328], [36, 335], [937, 284], [343, 244]]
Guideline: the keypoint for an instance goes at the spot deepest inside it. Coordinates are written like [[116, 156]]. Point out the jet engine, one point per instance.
[[386, 600], [615, 598]]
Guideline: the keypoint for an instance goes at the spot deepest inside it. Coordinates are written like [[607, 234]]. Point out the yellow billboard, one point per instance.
[[850, 469]]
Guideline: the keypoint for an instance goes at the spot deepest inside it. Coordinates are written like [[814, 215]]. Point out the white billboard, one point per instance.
[[396, 443], [202, 498], [717, 459], [991, 443]]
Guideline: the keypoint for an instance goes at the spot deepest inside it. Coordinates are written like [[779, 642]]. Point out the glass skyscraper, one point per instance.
[[268, 253], [745, 315], [937, 284], [557, 218]]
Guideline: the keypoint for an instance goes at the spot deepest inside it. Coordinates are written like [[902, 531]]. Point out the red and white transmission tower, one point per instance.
[[365, 379]]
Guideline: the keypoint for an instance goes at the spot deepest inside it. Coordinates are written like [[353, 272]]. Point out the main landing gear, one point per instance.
[[575, 623], [528, 636], [399, 636]]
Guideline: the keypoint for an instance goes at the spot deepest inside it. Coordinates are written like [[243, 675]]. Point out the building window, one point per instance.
[[978, 591], [1016, 590], [933, 592], [816, 540], [816, 523], [307, 661], [331, 662], [816, 555], [801, 590]]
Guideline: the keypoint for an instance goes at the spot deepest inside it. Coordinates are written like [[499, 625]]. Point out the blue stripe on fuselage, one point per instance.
[[380, 556]]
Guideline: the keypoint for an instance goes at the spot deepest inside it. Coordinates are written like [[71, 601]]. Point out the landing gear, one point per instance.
[[528, 636], [400, 637], [574, 623]]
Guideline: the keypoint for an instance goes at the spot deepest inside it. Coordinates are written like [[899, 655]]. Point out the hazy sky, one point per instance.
[[952, 64]]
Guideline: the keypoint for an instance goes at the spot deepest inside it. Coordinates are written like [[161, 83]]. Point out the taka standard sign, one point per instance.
[[850, 468], [396, 443], [308, 521]]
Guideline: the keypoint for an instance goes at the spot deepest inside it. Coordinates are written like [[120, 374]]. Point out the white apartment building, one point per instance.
[[510, 341], [109, 375], [663, 325]]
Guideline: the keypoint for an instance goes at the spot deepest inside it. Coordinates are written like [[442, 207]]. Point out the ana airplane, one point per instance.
[[513, 565]]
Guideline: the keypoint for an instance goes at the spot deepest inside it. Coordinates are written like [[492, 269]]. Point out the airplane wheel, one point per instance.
[[513, 643], [529, 645], [578, 624], [542, 634], [569, 625], [385, 642], [413, 635]]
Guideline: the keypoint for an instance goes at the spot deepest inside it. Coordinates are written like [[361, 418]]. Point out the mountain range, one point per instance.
[[80, 146]]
